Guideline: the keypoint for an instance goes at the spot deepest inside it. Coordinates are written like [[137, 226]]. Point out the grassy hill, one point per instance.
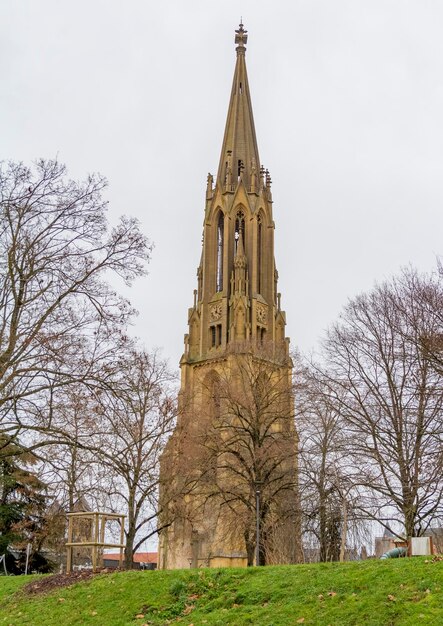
[[369, 593]]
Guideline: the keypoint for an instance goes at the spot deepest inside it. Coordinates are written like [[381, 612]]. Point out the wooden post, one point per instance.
[[69, 555], [102, 538], [95, 540]]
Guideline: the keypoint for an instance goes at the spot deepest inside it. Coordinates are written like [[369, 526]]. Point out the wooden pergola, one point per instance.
[[96, 541]]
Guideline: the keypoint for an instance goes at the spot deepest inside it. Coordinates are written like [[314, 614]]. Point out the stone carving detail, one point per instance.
[[215, 312], [262, 314]]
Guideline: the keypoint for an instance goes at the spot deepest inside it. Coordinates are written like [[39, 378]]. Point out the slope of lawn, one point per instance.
[[370, 593]]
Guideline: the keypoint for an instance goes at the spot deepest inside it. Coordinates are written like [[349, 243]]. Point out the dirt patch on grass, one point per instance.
[[58, 581]]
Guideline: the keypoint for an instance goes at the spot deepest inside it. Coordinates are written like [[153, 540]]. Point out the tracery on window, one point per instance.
[[220, 245], [259, 253]]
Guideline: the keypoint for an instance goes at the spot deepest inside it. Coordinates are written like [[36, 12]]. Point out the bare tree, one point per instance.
[[320, 446], [67, 464], [381, 382], [245, 442], [102, 445], [426, 294], [329, 496], [57, 310], [132, 424]]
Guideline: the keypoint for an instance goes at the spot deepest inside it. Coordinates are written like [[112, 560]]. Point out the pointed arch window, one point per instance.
[[220, 245], [239, 228], [259, 254]]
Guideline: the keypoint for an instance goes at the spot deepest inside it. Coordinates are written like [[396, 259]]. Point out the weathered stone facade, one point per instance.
[[236, 339]]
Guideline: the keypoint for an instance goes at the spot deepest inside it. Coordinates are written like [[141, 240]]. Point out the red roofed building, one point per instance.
[[140, 560]]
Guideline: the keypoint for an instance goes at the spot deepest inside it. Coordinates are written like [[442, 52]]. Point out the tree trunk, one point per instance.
[[344, 530], [128, 564], [323, 538]]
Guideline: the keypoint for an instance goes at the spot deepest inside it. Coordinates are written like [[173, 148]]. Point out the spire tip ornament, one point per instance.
[[241, 36]]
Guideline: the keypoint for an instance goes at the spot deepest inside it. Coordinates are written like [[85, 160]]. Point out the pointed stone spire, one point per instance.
[[239, 141]]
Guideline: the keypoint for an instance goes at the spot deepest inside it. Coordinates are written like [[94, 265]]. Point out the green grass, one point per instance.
[[370, 593]]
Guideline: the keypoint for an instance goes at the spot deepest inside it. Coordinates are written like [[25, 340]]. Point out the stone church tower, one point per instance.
[[232, 458]]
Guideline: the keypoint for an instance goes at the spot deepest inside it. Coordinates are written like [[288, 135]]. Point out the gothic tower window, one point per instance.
[[215, 335], [239, 228], [259, 253], [261, 334], [220, 243]]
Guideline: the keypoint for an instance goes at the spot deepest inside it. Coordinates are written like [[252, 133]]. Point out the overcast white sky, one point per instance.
[[348, 103]]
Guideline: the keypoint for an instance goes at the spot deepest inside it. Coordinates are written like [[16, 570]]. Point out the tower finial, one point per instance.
[[241, 35]]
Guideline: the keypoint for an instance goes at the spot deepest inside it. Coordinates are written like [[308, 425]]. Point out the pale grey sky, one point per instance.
[[348, 104]]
